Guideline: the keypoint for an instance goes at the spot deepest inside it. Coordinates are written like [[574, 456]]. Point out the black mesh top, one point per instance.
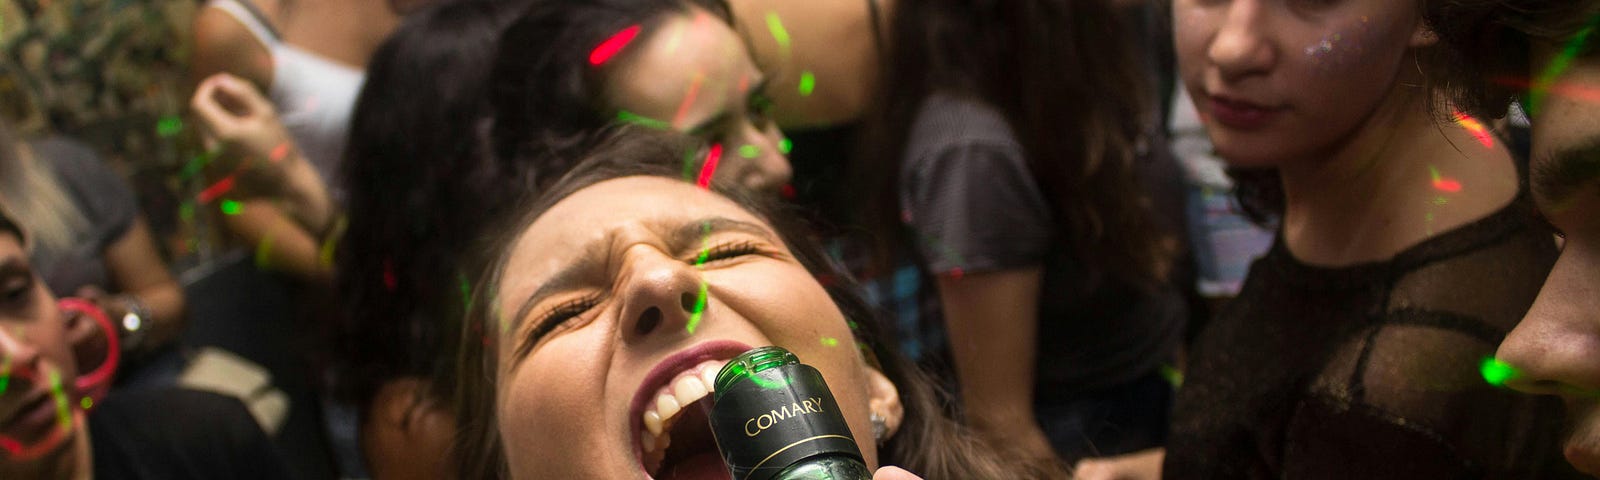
[[1373, 371]]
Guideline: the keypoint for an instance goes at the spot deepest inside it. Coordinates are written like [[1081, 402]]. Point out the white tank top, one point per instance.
[[314, 95]]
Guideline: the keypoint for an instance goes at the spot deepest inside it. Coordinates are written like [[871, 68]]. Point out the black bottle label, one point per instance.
[[778, 417]]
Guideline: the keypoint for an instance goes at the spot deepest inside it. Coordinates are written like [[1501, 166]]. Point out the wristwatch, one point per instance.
[[133, 326]]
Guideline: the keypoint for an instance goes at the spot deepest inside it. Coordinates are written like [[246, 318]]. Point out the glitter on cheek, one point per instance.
[[1344, 48]]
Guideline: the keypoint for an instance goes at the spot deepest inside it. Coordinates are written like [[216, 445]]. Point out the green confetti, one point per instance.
[[775, 25], [1172, 375], [194, 166], [830, 342], [625, 116], [231, 207], [1559, 65], [169, 126], [749, 151], [784, 146], [86, 403], [699, 309], [1496, 372], [808, 82]]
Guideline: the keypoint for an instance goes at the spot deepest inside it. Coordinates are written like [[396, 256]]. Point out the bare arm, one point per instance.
[[222, 44], [136, 269], [993, 323], [257, 151], [281, 244]]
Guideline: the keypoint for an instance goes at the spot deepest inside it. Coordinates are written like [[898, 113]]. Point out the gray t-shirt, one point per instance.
[[973, 206], [103, 199]]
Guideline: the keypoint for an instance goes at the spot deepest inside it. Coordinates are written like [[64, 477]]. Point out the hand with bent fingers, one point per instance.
[[243, 128], [256, 151]]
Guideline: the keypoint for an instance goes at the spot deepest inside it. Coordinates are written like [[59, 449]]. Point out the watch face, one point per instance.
[[131, 322]]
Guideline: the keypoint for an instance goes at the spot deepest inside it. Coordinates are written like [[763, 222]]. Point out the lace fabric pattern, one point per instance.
[[1372, 371]]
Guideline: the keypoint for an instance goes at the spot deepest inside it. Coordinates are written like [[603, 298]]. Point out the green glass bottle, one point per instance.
[[775, 419]]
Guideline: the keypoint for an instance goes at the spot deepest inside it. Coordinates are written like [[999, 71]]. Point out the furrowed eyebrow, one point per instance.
[[1564, 173], [564, 279], [689, 235], [685, 237]]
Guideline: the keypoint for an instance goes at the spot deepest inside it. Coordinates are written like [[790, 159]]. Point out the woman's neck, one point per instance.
[[1400, 179]]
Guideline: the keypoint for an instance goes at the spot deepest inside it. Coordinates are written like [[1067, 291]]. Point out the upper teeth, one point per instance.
[[688, 387]]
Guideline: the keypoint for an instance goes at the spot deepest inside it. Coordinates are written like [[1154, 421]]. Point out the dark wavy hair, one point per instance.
[[929, 442], [549, 105], [1482, 60], [1062, 74], [420, 183], [1480, 64]]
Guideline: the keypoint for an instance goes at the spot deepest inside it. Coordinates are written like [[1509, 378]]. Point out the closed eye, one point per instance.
[[556, 317], [727, 251]]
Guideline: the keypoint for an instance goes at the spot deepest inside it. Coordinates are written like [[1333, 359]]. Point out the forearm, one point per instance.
[[309, 199], [280, 243], [992, 326]]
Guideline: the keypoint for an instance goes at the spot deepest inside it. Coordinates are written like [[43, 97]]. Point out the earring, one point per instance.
[[880, 427]]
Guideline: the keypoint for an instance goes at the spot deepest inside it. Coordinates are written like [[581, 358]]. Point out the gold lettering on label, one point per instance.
[[772, 417]]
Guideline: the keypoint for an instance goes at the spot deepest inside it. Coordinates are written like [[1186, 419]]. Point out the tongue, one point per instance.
[[704, 466]]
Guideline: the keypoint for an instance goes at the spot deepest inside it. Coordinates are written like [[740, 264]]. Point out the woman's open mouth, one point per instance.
[[671, 418]]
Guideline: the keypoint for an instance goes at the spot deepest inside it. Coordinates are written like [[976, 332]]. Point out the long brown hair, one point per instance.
[[929, 441], [1062, 74]]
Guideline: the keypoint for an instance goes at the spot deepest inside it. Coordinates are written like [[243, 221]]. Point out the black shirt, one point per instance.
[[1372, 370], [179, 434]]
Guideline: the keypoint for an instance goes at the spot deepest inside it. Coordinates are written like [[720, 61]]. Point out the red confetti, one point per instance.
[[280, 152], [216, 190], [957, 273], [611, 46], [1447, 185], [710, 167], [389, 280], [688, 99], [788, 191]]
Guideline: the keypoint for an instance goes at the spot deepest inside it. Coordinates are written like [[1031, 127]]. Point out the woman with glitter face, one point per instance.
[[1404, 254]]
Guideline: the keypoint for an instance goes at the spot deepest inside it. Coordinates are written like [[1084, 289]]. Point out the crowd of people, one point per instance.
[[1096, 239]]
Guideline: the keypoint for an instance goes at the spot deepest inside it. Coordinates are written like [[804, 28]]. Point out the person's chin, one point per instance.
[[1582, 447], [1240, 150]]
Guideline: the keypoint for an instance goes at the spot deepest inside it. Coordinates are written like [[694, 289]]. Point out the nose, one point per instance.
[[661, 295], [16, 354], [1556, 347], [1240, 46], [766, 168]]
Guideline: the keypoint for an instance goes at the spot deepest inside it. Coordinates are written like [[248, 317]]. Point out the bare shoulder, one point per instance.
[[223, 44]]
